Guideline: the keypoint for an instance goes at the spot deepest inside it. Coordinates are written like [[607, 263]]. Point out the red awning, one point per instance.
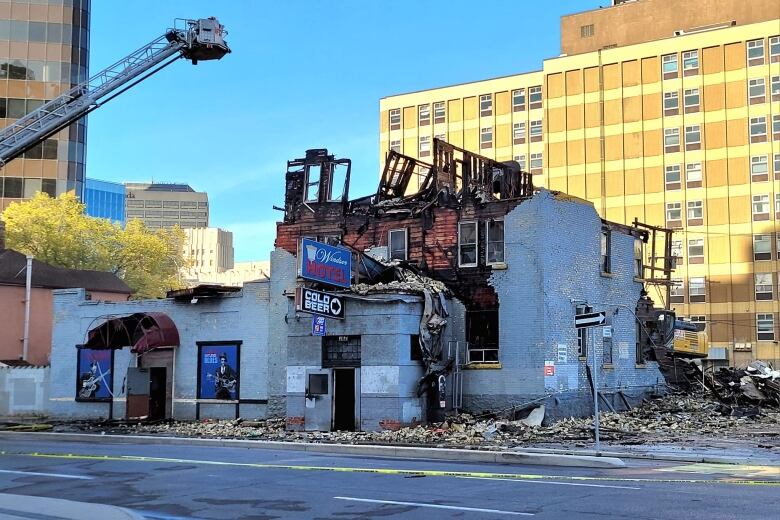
[[142, 331]]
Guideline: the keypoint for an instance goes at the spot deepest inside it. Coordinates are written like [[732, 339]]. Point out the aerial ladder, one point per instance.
[[197, 40]]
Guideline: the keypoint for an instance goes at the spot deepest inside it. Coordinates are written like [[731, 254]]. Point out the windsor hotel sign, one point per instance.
[[324, 263]]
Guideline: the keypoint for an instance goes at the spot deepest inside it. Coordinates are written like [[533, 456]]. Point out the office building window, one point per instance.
[[486, 105], [765, 326], [424, 114], [760, 207], [467, 244], [690, 63], [775, 88], [521, 161], [586, 31], [695, 213], [495, 241], [153, 204], [774, 49], [439, 112], [536, 131], [395, 119], [135, 203], [518, 133], [759, 168], [692, 100], [756, 91], [424, 146], [396, 240], [758, 129], [486, 137], [639, 255], [777, 212], [777, 166], [396, 145], [776, 127], [518, 100], [536, 163], [762, 247], [777, 240], [693, 137], [671, 103], [606, 251], [763, 284], [672, 176], [669, 66], [677, 250], [696, 251], [673, 214], [677, 292], [671, 140], [693, 177], [697, 290], [535, 97], [755, 52]]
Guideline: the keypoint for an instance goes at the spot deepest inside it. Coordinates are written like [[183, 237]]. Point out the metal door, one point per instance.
[[137, 393], [318, 414]]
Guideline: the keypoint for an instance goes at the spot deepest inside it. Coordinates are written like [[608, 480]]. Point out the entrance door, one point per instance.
[[157, 393], [318, 414], [137, 393], [344, 399]]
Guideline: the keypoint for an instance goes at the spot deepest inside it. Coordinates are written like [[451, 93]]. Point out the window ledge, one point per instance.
[[607, 275], [640, 280], [498, 265], [483, 366], [583, 358], [608, 366], [640, 365]]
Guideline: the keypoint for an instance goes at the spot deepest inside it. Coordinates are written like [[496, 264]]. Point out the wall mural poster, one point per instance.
[[94, 374], [218, 371]]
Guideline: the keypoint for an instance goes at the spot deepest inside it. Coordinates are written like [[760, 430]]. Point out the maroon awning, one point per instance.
[[142, 331]]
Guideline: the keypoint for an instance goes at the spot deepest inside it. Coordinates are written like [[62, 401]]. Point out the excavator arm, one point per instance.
[[201, 39]]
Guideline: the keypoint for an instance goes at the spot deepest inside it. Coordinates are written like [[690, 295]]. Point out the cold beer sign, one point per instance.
[[324, 263]]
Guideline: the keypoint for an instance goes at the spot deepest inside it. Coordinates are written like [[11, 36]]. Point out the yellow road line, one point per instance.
[[393, 471]]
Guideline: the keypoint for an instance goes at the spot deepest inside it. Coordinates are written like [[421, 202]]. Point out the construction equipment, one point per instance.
[[196, 40], [681, 338]]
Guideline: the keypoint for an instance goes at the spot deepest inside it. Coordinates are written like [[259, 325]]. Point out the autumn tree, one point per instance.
[[58, 232]]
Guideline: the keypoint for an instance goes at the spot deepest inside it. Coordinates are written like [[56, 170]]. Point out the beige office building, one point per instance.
[[659, 110], [166, 205]]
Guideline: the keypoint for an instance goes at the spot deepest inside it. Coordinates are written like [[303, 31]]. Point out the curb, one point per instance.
[[29, 506], [449, 454], [708, 459]]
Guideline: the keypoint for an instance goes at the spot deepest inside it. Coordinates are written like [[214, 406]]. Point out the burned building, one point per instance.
[[517, 264]]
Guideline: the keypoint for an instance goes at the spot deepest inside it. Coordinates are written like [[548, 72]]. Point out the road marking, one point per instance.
[[524, 481], [391, 471], [36, 474], [742, 470], [434, 506]]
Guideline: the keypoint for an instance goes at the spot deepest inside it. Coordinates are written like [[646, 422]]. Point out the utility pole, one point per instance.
[[595, 391], [27, 294]]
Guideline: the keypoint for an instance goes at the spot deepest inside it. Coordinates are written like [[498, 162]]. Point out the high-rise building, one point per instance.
[[44, 51], [664, 111], [105, 199], [208, 249], [165, 205]]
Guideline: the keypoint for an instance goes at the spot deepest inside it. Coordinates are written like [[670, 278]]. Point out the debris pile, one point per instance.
[[743, 391]]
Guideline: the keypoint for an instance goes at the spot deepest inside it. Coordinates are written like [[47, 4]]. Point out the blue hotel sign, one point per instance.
[[327, 264]]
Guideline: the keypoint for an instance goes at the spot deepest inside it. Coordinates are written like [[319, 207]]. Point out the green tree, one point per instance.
[[58, 232]]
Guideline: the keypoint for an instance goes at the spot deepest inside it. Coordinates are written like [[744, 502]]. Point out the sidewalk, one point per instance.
[[42, 508]]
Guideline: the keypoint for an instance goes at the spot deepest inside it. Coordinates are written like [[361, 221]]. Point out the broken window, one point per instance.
[[763, 283], [467, 244], [677, 290], [482, 335], [341, 351], [606, 251], [495, 241], [639, 271], [607, 347], [313, 172], [415, 351], [396, 241], [338, 181], [582, 334]]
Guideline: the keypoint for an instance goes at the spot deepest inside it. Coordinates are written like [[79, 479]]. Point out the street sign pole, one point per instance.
[[595, 394]]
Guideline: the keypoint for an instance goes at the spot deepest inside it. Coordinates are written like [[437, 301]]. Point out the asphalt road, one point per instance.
[[165, 482]]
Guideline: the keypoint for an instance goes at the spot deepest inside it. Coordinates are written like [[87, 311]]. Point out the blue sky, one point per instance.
[[303, 74]]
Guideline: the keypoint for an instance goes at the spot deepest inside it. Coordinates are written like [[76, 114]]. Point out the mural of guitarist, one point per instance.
[[225, 379], [93, 375]]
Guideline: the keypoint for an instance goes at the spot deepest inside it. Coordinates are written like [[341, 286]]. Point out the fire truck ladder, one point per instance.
[[199, 40]]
